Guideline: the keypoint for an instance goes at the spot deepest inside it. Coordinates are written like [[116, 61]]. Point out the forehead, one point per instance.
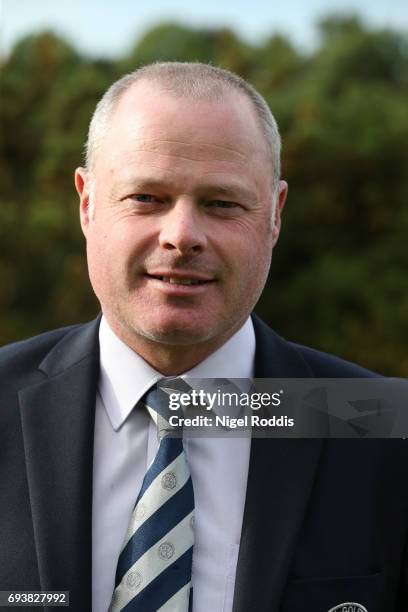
[[149, 120]]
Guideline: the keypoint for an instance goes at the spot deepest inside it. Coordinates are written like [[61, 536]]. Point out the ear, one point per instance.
[[281, 199], [82, 184]]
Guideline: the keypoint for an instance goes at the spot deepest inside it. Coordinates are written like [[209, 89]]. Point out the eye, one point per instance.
[[145, 202], [222, 204], [145, 198], [223, 208]]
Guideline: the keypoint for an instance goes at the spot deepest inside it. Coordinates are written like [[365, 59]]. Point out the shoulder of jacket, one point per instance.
[[325, 365], [26, 354], [318, 363]]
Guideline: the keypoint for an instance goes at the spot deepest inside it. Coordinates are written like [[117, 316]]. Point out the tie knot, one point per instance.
[[157, 400]]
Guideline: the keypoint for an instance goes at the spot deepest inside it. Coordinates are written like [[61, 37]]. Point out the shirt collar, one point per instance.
[[125, 376]]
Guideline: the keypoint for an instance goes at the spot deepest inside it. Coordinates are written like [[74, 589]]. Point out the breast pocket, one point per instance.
[[326, 594]]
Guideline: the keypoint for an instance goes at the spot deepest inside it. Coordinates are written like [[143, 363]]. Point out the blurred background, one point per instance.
[[337, 83]]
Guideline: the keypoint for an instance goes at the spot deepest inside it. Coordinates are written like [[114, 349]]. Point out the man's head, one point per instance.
[[192, 80], [181, 181]]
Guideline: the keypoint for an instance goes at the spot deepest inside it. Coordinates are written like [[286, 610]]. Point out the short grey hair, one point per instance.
[[191, 80]]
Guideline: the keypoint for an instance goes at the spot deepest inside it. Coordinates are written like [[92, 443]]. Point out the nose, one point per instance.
[[183, 229]]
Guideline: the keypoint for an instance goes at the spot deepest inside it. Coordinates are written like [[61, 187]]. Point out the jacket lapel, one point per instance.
[[280, 480], [57, 420]]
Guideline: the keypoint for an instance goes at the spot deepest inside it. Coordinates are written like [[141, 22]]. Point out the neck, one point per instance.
[[171, 359]]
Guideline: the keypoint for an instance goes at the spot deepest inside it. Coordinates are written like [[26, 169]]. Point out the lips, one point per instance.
[[181, 279]]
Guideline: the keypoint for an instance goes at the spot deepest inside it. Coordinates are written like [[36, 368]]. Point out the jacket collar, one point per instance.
[[275, 357]]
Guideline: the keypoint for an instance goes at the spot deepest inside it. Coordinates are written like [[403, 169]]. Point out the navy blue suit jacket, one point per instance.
[[325, 521]]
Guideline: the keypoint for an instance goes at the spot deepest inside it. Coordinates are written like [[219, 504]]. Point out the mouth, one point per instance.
[[180, 281], [174, 280]]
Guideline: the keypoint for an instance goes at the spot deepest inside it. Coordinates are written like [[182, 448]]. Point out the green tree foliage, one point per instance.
[[338, 276], [173, 42], [48, 93], [345, 158]]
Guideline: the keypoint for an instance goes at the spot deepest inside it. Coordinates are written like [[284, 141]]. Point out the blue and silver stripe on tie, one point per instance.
[[154, 566]]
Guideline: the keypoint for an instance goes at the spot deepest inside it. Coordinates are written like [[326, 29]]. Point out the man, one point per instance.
[[180, 205]]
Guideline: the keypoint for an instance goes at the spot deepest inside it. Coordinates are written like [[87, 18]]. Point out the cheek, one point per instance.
[[251, 251], [96, 247], [255, 269], [97, 268], [110, 244], [249, 266], [104, 258], [116, 256]]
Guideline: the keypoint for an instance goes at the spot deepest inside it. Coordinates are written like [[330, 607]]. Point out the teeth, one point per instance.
[[179, 281]]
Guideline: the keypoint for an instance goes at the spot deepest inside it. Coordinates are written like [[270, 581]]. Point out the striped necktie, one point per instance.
[[154, 566]]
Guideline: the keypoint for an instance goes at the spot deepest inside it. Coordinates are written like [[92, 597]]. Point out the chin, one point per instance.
[[178, 332], [176, 336]]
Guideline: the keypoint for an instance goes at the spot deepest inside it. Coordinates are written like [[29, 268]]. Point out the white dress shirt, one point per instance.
[[125, 443]]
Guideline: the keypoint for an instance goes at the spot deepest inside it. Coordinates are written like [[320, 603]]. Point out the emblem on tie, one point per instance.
[[348, 606]]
